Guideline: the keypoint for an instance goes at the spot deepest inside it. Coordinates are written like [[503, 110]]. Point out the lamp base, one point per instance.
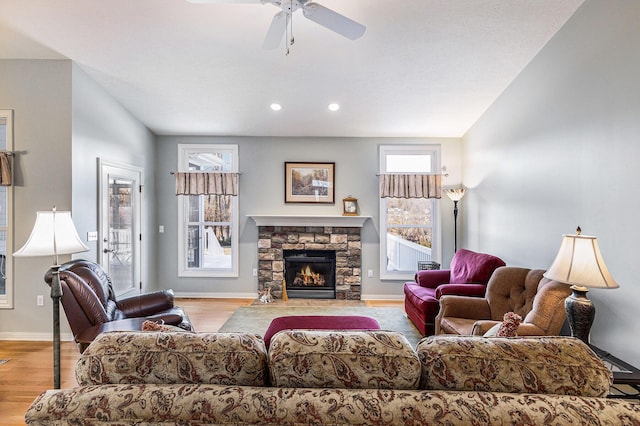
[[580, 313]]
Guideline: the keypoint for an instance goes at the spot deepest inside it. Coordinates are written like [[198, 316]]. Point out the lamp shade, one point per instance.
[[455, 194], [580, 263], [52, 234]]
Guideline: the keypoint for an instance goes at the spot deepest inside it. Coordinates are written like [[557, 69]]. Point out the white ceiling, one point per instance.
[[422, 68]]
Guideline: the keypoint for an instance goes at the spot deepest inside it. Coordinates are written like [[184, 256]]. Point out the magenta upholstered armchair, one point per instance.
[[468, 276]]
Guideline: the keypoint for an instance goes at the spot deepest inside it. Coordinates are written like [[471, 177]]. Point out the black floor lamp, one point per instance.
[[53, 234], [455, 195]]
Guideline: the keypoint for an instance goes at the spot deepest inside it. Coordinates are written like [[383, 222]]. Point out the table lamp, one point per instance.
[[53, 234], [455, 195], [580, 264]]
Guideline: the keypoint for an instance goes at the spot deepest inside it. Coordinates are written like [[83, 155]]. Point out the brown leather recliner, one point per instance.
[[538, 300], [90, 304]]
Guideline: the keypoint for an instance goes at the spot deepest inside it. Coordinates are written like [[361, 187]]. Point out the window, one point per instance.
[[6, 197], [409, 227], [208, 236]]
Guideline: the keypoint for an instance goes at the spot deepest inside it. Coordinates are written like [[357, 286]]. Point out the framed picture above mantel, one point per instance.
[[306, 182]]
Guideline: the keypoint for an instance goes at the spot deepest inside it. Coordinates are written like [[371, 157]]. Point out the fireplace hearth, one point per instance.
[[310, 274]]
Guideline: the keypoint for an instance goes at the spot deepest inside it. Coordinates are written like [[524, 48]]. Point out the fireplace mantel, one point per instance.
[[297, 220]]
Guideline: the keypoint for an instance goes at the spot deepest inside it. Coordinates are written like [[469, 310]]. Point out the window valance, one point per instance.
[[410, 185], [5, 168], [206, 183]]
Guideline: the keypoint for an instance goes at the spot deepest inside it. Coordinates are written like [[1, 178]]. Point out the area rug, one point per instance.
[[256, 319]]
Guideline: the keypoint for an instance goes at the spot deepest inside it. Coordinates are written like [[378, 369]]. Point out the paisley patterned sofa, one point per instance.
[[334, 378]]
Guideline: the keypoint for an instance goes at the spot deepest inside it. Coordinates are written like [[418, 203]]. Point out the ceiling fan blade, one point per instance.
[[333, 21], [276, 30]]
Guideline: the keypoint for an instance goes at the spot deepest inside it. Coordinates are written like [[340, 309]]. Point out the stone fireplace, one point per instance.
[[340, 236]]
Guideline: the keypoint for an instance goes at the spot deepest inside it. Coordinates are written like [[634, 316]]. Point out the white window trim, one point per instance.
[[6, 299], [183, 151], [435, 152]]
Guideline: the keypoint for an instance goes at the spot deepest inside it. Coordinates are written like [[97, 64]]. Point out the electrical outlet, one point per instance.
[[370, 273], [40, 300], [255, 272], [161, 229]]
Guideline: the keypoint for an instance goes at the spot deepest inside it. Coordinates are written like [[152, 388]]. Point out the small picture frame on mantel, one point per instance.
[[350, 206]]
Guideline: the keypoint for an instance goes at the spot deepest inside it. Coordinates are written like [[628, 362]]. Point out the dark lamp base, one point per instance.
[[580, 313]]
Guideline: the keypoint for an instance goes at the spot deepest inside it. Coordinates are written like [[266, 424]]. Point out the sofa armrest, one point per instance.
[[528, 329], [432, 278], [464, 307], [476, 290], [147, 304]]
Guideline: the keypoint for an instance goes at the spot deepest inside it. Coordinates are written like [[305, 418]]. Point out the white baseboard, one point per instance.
[[382, 297], [19, 335], [216, 295]]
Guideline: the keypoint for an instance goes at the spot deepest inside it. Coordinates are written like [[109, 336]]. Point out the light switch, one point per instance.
[[161, 229], [92, 236]]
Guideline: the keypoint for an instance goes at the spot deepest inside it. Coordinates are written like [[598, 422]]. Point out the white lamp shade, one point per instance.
[[455, 194], [52, 234], [580, 263]]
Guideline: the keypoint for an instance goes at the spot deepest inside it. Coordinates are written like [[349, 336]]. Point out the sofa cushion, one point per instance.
[[420, 297], [174, 357], [558, 365], [471, 267], [336, 359]]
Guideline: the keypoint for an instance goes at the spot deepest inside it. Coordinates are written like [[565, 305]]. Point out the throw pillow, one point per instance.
[[507, 328], [149, 325], [493, 331]]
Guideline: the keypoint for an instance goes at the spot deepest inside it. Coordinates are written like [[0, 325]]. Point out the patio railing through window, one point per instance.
[[403, 255]]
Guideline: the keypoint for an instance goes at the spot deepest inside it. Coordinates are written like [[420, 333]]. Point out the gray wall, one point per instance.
[[559, 149], [262, 193], [39, 92], [62, 122], [103, 129]]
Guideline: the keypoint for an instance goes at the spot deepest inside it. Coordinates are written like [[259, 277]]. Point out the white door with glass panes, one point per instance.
[[120, 237]]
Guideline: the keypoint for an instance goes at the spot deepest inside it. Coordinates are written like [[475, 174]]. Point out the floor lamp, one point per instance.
[[455, 195], [53, 234], [580, 264]]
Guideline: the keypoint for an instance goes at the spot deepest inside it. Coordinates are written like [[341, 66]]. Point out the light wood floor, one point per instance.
[[30, 369]]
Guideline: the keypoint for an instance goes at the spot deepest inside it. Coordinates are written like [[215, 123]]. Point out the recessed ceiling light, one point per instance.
[[333, 107], [276, 107]]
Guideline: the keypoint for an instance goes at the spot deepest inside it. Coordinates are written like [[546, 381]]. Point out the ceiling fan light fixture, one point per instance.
[[276, 107], [333, 107]]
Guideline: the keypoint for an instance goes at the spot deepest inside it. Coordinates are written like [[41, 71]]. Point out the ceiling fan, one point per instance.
[[313, 11]]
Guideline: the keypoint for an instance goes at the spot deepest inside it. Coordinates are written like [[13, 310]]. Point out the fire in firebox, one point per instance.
[[306, 277]]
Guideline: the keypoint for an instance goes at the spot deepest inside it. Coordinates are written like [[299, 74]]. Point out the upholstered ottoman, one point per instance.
[[319, 322]]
